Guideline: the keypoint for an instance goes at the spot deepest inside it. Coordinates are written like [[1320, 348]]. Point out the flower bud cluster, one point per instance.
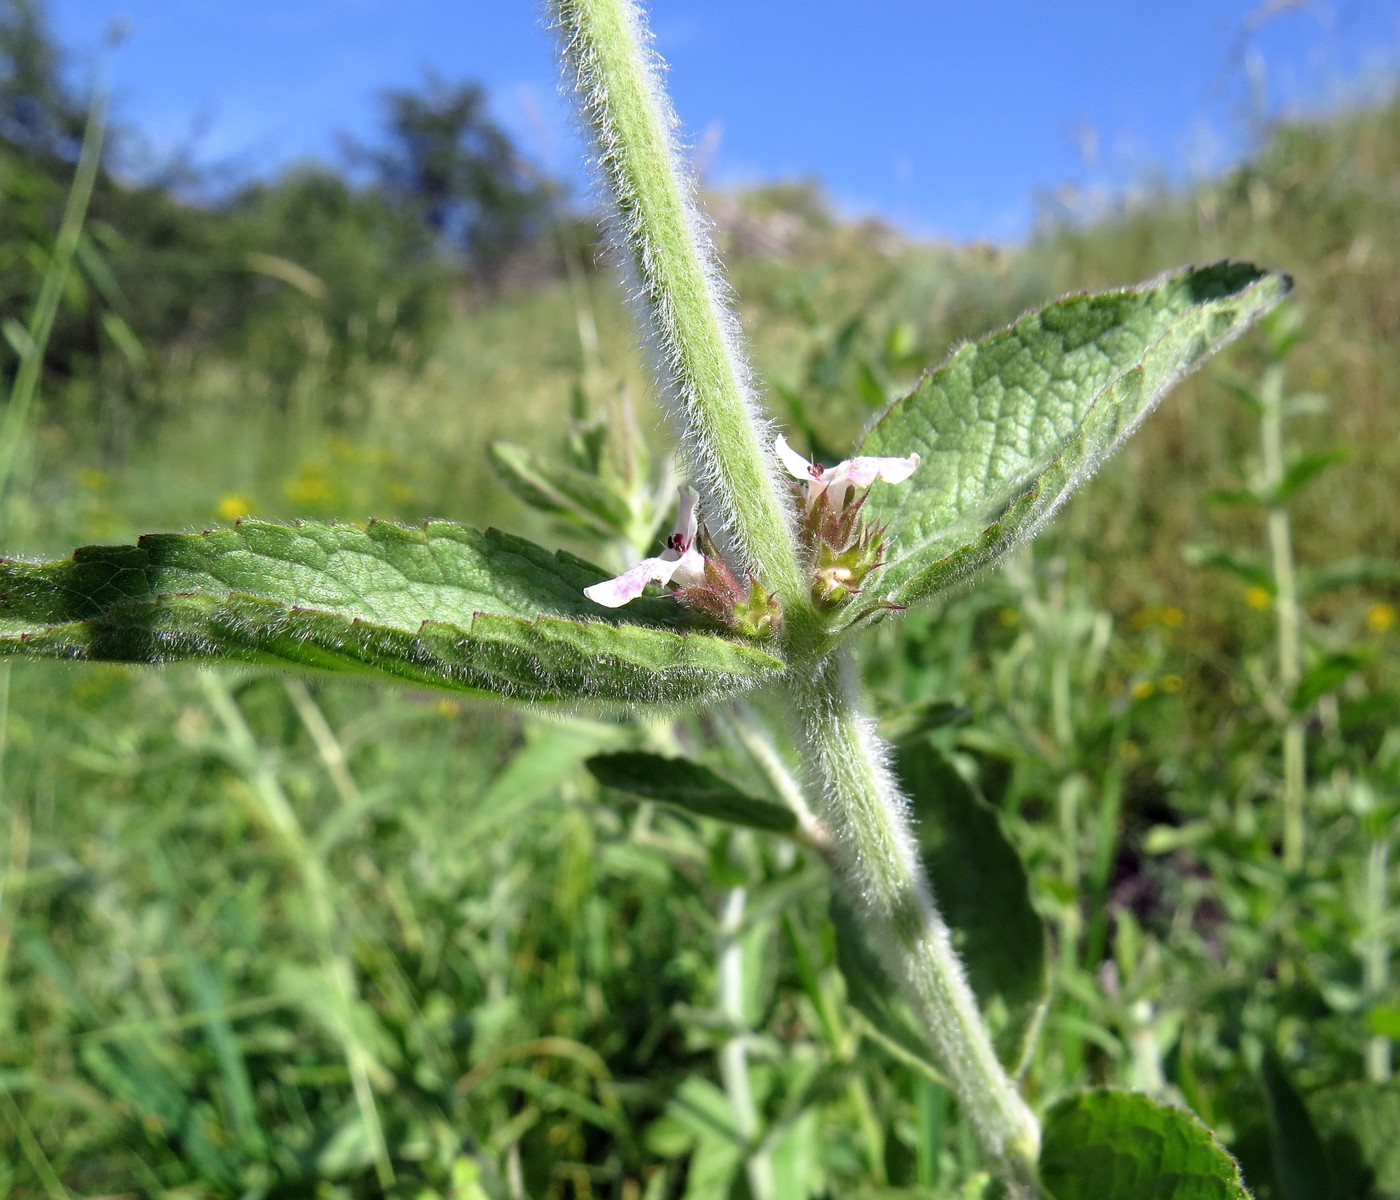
[[842, 548], [744, 606], [703, 581]]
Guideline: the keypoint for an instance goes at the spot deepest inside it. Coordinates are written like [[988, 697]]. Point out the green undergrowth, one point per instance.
[[265, 938]]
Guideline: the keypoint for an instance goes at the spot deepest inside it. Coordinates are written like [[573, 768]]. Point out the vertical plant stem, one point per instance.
[[25, 388], [733, 1055], [726, 440], [1287, 618], [748, 728], [694, 331], [33, 1151], [882, 873], [1376, 953]]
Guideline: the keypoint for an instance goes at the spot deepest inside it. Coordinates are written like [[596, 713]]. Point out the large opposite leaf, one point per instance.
[[1108, 1145], [1010, 425], [438, 604]]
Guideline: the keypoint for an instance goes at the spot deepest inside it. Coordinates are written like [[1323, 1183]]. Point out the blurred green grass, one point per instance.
[[266, 938]]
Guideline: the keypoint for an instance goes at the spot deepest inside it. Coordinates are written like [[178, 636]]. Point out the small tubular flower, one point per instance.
[[840, 479], [680, 563]]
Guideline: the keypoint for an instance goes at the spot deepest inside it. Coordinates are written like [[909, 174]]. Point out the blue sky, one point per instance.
[[947, 119]]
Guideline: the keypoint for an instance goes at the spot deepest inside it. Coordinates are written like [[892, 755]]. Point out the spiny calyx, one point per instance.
[[841, 547]]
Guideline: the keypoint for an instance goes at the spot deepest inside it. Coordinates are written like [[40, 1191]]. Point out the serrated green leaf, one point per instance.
[[559, 489], [688, 785], [1360, 1126], [981, 887], [1010, 426], [438, 604], [1106, 1145]]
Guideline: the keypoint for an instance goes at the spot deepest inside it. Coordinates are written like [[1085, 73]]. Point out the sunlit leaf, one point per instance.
[[1107, 1145], [1011, 425], [438, 604]]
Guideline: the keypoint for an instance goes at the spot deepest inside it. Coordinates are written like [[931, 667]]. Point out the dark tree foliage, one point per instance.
[[303, 268], [445, 160], [39, 113]]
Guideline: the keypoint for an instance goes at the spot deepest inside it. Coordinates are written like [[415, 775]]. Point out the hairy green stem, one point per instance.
[[874, 848], [1287, 615], [694, 333], [733, 1054], [727, 444]]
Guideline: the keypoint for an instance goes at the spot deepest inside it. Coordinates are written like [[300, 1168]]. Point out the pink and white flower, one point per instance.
[[840, 479], [680, 563]]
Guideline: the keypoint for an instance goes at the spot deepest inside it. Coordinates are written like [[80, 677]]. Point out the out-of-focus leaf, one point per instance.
[[1107, 1145], [1359, 1124], [1300, 1166], [559, 489], [1351, 572], [1302, 471], [1241, 565], [981, 887], [689, 786], [1325, 675]]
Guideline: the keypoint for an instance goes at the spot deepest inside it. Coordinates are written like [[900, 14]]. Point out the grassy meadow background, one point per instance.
[[264, 935]]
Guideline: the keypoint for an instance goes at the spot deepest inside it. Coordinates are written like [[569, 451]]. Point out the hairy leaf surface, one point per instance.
[[1011, 425], [439, 604]]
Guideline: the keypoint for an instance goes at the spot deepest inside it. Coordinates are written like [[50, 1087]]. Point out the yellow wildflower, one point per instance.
[[308, 486], [1159, 614], [233, 505], [1257, 597]]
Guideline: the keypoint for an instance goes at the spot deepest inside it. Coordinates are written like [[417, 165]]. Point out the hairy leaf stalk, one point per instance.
[[661, 234], [874, 850]]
